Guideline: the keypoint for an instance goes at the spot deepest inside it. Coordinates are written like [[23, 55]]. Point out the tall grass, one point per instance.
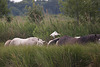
[[22, 27], [65, 26], [17, 28], [52, 56]]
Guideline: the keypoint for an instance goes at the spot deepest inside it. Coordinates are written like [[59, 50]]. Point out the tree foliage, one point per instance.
[[81, 9], [3, 8], [35, 13], [52, 7], [19, 8]]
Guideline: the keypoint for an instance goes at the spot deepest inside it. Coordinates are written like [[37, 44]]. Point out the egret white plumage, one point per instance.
[[54, 34], [77, 37]]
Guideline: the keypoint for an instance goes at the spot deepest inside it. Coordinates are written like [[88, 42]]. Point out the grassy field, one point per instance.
[[22, 27], [51, 56]]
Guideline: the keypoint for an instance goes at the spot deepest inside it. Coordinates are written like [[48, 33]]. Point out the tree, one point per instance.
[[81, 9], [52, 7], [35, 13], [4, 11]]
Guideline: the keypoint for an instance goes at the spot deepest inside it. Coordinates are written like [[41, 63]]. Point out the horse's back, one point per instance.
[[33, 38], [64, 40], [18, 41]]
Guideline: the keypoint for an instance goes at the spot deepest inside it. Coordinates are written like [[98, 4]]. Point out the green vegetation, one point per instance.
[[51, 56], [35, 14], [17, 28], [17, 9], [82, 10], [73, 23], [65, 26], [3, 8], [22, 27]]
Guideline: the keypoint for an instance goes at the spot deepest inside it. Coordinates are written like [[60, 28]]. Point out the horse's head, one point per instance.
[[89, 38], [93, 37], [41, 42], [97, 37]]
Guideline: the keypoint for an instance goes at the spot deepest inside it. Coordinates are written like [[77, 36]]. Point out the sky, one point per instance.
[[16, 0]]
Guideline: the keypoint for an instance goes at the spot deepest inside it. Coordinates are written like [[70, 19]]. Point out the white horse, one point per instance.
[[27, 41]]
